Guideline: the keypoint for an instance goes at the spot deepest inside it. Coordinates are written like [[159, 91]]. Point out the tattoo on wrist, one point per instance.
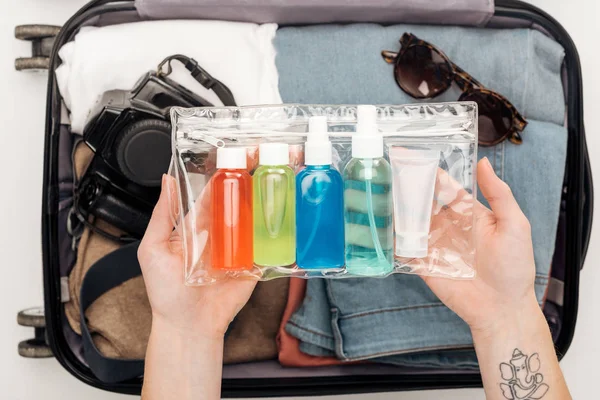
[[522, 381]]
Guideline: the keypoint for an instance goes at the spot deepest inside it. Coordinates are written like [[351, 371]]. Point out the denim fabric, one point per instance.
[[393, 320], [352, 319], [343, 65], [535, 170], [443, 359]]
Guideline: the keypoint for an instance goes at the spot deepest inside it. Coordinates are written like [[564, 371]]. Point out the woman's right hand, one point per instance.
[[504, 284]]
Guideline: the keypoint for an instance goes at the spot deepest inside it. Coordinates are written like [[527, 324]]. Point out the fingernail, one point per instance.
[[163, 182], [488, 164]]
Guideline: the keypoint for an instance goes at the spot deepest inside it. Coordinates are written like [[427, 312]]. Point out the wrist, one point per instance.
[[182, 363], [198, 330], [509, 318]]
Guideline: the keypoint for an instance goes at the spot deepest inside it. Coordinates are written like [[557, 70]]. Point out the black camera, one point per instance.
[[130, 134]]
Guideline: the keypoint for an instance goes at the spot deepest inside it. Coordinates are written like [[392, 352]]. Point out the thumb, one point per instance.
[[498, 194], [161, 225]]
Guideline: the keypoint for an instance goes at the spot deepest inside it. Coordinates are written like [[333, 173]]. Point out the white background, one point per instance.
[[22, 111]]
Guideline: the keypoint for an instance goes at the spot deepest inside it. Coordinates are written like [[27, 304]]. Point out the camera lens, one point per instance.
[[90, 193], [143, 151]]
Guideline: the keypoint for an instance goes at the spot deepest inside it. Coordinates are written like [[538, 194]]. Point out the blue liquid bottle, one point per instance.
[[319, 204], [368, 201]]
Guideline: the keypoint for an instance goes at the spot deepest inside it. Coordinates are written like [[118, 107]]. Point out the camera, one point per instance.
[[130, 134]]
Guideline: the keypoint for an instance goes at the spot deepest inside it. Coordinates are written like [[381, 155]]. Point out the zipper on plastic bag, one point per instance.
[[200, 139], [195, 138]]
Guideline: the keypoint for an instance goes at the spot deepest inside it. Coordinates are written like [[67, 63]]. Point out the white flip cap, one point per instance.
[[273, 154], [411, 244], [231, 157], [317, 150], [367, 142]]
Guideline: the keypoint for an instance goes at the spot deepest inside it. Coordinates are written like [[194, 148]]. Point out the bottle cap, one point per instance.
[[273, 154], [317, 150], [411, 244], [231, 157], [367, 142]]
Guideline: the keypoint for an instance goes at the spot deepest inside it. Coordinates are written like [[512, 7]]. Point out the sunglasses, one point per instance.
[[423, 71]]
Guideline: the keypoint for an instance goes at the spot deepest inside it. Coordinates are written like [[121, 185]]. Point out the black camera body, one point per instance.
[[130, 134]]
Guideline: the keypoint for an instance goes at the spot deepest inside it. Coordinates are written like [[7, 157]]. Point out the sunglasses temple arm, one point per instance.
[[466, 76], [389, 56]]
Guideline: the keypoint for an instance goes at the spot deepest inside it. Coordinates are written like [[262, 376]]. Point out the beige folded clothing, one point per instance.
[[254, 331], [120, 319]]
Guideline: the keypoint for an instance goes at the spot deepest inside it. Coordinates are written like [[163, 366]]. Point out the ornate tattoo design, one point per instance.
[[522, 380]]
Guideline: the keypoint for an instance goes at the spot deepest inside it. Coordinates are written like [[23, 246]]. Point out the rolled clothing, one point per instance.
[[358, 320], [241, 55]]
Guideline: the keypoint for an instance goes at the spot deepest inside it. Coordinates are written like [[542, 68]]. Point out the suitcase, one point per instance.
[[241, 381]]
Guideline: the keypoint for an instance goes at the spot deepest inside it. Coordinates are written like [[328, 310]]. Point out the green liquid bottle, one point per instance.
[[368, 201], [274, 193]]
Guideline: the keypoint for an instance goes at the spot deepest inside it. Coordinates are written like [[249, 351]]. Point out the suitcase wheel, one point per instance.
[[45, 47], [38, 346], [34, 348], [32, 317], [42, 40], [32, 64], [31, 32]]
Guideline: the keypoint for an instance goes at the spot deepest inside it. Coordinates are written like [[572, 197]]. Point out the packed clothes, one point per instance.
[[252, 334], [241, 55], [289, 351]]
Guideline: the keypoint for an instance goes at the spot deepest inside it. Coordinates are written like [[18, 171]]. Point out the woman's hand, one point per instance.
[[504, 284], [513, 343], [205, 310], [185, 351]]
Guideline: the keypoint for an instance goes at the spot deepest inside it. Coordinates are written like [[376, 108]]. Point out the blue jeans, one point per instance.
[[399, 320]]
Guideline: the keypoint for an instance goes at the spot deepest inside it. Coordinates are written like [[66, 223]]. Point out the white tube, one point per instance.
[[414, 173]]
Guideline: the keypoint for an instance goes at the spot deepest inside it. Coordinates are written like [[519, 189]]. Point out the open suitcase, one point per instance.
[[271, 379]]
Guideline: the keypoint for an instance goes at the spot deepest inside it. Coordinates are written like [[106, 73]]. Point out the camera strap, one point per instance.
[[109, 272], [200, 75]]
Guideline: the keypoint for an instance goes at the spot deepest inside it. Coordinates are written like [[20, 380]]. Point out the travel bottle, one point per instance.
[[231, 212], [274, 207], [368, 201], [319, 204]]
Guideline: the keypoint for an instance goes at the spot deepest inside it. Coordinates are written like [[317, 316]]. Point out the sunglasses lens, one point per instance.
[[422, 72], [495, 117]]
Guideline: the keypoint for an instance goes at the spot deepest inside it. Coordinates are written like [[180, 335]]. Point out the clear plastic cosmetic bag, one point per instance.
[[324, 190]]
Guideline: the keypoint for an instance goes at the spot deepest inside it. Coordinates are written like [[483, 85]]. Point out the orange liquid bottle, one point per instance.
[[231, 212]]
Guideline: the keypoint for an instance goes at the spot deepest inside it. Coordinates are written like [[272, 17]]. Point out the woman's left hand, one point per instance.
[[205, 310]]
